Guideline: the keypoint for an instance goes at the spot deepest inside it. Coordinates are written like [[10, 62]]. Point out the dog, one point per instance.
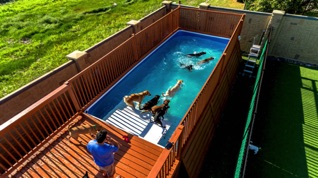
[[136, 97], [190, 67], [205, 60], [156, 108], [154, 101], [74, 132], [171, 91], [196, 54], [184, 66], [159, 115]]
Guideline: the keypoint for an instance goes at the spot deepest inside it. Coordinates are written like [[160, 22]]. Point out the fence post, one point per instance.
[[77, 57], [204, 5], [74, 99], [168, 5], [180, 142], [275, 23], [135, 25]]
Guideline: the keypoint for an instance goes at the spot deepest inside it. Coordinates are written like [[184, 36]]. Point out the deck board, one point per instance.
[[69, 158]]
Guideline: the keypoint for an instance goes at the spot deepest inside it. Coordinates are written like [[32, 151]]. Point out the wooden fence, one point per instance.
[[89, 84], [210, 100], [32, 129]]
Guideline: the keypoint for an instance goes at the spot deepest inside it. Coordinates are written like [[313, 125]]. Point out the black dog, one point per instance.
[[196, 54], [184, 66], [154, 101], [160, 113]]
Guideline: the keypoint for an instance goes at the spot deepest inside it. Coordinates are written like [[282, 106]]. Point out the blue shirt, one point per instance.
[[102, 154]]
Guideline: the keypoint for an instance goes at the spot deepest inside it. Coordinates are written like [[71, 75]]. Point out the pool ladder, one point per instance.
[[250, 64]]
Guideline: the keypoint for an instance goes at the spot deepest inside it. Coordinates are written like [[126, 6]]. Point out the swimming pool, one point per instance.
[[157, 72]]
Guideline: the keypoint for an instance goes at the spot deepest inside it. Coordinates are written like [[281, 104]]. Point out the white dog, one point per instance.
[[171, 91]]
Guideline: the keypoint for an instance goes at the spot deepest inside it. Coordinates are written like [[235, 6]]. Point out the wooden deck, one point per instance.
[[64, 158]]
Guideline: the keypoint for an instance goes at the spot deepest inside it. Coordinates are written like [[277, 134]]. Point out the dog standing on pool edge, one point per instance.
[[149, 104], [136, 97]]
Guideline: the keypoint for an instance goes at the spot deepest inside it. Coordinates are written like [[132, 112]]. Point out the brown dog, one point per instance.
[[171, 91], [136, 97], [74, 132], [205, 60], [156, 108]]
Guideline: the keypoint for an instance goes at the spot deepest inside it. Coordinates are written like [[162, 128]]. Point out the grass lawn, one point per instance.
[[286, 126], [35, 36]]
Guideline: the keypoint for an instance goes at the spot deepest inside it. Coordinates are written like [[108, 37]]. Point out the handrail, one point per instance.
[[101, 75], [215, 22], [168, 156], [27, 132]]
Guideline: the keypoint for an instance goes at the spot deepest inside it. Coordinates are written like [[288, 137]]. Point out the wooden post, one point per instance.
[[135, 25], [75, 56], [168, 5], [204, 5]]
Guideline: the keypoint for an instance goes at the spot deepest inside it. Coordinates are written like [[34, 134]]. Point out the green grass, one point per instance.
[[35, 36], [286, 125]]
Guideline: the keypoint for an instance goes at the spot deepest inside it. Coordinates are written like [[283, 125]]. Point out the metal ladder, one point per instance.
[[250, 64]]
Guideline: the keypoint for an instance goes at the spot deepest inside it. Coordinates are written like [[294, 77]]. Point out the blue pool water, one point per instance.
[[159, 71]]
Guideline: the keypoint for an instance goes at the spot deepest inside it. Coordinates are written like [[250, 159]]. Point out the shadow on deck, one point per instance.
[[64, 158]]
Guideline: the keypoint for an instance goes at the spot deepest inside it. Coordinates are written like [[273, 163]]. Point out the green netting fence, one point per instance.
[[242, 157]]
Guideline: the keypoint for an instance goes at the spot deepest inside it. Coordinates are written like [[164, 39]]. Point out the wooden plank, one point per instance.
[[136, 160], [63, 158], [114, 131]]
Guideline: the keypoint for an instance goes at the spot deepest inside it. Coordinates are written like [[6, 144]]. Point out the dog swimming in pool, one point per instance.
[[196, 54], [190, 66], [171, 91]]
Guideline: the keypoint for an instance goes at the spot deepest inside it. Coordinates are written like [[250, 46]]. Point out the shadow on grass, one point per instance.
[[280, 126]]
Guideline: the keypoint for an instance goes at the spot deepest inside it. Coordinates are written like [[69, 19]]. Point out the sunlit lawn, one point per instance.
[[35, 36], [287, 124]]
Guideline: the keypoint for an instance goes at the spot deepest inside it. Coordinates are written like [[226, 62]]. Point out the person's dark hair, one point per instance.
[[101, 136]]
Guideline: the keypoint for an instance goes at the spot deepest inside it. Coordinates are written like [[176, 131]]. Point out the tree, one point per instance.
[[4, 1], [289, 6]]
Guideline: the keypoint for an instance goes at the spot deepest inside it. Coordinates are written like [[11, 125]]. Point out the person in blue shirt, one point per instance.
[[102, 150]]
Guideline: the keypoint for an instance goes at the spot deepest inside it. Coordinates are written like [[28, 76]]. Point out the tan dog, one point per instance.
[[136, 97], [171, 91], [205, 60], [74, 132], [156, 108]]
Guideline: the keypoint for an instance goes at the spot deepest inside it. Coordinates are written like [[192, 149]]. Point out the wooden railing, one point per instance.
[[101, 75], [30, 130], [211, 22], [168, 157], [207, 92]]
